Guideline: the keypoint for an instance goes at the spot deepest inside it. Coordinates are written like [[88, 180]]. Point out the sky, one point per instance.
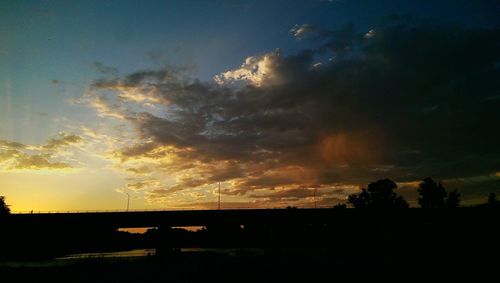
[[284, 103]]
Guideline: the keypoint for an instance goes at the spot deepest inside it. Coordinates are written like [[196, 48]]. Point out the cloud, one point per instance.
[[371, 33], [19, 160], [11, 145], [63, 140], [36, 162], [406, 102], [256, 70], [49, 156], [300, 31], [101, 68], [140, 170], [143, 184], [103, 107]]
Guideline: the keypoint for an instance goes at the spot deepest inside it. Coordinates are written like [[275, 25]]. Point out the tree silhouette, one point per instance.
[[493, 201], [432, 194], [4, 208], [340, 206], [453, 199], [380, 195]]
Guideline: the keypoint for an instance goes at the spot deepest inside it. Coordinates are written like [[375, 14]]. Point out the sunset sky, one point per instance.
[[275, 100]]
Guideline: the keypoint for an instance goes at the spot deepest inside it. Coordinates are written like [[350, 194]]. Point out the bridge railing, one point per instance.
[[83, 211], [99, 210]]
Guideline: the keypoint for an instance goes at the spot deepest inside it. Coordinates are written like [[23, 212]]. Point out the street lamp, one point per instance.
[[314, 197], [128, 200], [219, 197]]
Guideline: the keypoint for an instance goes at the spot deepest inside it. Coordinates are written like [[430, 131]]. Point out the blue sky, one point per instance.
[[44, 41]]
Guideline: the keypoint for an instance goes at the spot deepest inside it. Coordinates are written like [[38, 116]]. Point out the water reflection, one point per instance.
[[152, 252], [130, 253], [125, 255]]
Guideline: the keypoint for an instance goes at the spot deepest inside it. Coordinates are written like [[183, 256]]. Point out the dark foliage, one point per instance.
[[434, 195], [379, 195], [453, 199], [340, 206], [493, 201], [4, 208]]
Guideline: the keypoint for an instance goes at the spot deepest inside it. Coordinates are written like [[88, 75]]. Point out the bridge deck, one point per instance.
[[244, 216]]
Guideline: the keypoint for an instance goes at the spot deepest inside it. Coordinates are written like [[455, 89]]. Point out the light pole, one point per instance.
[[128, 200], [314, 197], [219, 197]]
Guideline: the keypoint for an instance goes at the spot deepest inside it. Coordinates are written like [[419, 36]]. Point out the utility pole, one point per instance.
[[314, 197], [219, 196], [128, 201]]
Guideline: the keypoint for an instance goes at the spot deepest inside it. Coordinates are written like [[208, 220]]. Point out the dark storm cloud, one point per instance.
[[300, 197], [401, 100]]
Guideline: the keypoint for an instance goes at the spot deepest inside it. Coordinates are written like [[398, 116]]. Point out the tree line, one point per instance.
[[380, 195]]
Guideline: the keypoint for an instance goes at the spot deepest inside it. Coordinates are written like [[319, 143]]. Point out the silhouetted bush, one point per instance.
[[4, 208]]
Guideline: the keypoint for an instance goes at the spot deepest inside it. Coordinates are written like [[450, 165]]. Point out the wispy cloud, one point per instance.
[[300, 31], [101, 68]]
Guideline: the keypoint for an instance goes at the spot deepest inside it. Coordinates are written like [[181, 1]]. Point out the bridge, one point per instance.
[[32, 234], [173, 218], [176, 218]]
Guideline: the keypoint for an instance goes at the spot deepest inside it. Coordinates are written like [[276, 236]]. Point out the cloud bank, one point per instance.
[[403, 100]]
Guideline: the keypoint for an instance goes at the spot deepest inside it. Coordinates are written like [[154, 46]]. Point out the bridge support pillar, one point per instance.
[[165, 242]]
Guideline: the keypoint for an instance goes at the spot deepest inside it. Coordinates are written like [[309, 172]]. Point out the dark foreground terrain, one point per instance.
[[282, 266], [332, 245]]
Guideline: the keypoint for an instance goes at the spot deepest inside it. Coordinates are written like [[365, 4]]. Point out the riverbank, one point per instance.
[[195, 267], [295, 265]]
